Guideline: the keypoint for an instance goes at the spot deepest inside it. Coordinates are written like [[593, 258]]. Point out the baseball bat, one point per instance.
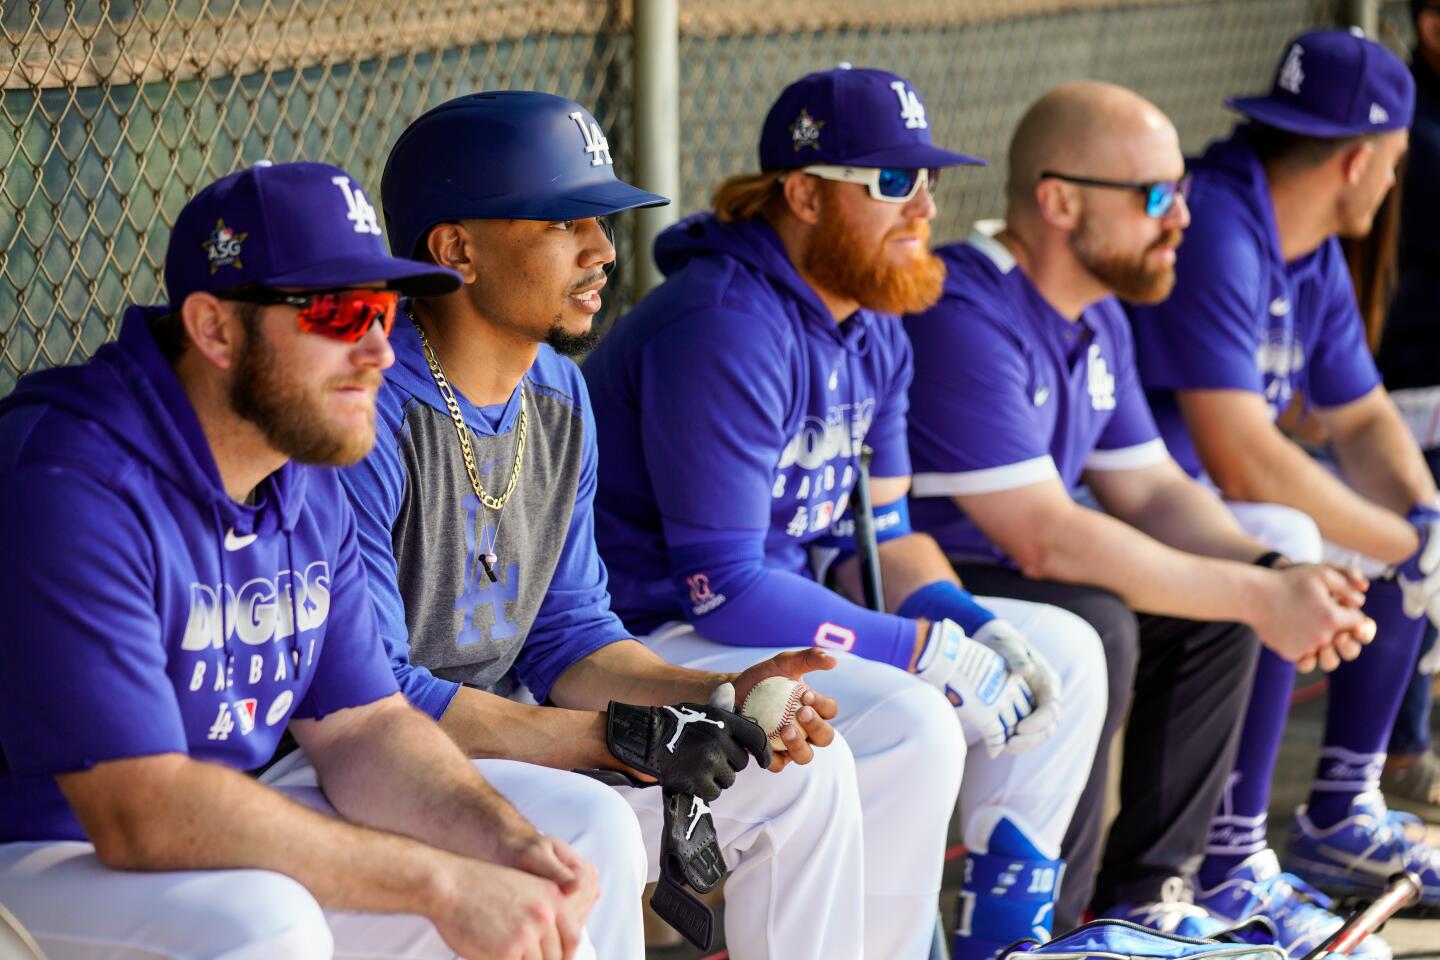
[[867, 551], [15, 941], [1402, 890]]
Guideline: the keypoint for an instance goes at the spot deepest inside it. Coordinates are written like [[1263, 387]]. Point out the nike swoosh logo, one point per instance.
[[1279, 307], [233, 543], [1379, 868]]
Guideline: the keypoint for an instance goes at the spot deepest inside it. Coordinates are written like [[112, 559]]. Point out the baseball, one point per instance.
[[772, 703]]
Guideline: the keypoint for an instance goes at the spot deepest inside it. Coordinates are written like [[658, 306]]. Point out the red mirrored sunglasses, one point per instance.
[[344, 315]]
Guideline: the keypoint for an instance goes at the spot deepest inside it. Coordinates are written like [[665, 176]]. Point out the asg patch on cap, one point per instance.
[[805, 131]]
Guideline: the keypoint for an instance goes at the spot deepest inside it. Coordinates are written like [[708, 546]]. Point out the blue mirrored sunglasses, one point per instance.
[[1159, 196], [891, 184]]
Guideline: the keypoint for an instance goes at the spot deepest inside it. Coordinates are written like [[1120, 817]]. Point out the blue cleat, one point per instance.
[[1300, 914], [1357, 855], [1173, 913]]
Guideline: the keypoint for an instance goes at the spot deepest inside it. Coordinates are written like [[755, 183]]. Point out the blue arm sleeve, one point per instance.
[[574, 619], [376, 487], [732, 597], [84, 676]]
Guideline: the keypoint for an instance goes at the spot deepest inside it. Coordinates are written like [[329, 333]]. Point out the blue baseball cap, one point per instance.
[[858, 118], [502, 155], [305, 225], [1335, 83]]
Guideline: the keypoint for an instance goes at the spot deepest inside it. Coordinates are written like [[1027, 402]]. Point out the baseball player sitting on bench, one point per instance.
[[1263, 313], [182, 582], [1025, 386], [732, 404], [476, 529]]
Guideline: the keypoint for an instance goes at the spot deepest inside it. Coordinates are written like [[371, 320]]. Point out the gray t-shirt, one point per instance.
[[422, 530]]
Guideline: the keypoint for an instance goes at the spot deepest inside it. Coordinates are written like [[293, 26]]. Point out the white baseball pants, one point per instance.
[[791, 841], [910, 753]]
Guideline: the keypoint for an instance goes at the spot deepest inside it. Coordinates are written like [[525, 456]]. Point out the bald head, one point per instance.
[[1091, 129]]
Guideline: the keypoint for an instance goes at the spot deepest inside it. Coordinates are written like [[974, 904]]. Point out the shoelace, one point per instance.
[[1288, 904], [1173, 907]]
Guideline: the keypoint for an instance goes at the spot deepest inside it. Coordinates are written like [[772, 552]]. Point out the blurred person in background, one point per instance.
[[1263, 312], [1410, 365]]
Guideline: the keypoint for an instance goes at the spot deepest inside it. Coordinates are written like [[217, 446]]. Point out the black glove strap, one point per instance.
[[632, 733], [689, 855], [612, 778]]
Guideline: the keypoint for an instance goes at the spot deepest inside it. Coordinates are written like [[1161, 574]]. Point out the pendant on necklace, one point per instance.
[[488, 561]]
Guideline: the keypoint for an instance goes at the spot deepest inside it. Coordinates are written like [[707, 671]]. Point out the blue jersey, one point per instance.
[[1008, 393], [1241, 317], [422, 531], [146, 611], [731, 409]]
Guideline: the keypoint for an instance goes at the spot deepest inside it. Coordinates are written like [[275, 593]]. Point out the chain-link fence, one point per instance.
[[1396, 26], [114, 113], [978, 64], [122, 110]]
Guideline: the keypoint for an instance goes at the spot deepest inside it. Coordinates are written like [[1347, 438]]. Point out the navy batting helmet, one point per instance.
[[506, 155]]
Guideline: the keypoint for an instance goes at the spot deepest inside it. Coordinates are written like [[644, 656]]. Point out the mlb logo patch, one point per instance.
[[245, 714]]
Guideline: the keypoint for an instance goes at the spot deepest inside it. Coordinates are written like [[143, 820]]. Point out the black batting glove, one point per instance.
[[690, 748]]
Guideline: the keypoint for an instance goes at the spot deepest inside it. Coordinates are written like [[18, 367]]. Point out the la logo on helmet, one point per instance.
[[912, 111], [595, 143]]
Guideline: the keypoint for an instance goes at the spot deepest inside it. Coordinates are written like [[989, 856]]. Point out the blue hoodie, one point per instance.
[[1241, 317], [730, 409], [120, 541]]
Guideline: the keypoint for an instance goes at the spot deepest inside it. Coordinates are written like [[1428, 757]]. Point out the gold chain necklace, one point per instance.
[[487, 558]]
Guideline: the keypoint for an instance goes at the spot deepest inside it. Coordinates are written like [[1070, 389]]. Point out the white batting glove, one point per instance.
[[1419, 576], [1031, 666], [990, 699]]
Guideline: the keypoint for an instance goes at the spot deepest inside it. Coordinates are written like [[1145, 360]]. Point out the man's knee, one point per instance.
[[252, 915], [605, 831], [826, 783], [1074, 648], [920, 723], [1282, 528], [1117, 630]]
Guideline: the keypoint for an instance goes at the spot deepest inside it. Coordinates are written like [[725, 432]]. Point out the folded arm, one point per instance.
[[1251, 460]]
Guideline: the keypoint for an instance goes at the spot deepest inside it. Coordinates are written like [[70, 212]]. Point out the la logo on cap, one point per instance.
[[1291, 76], [358, 209], [912, 111]]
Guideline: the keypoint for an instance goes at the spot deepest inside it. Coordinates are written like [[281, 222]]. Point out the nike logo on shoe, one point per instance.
[[233, 543], [1379, 868]]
